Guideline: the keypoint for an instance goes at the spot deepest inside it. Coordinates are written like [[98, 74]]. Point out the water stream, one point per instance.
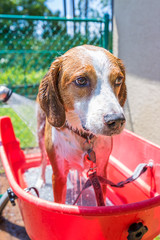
[[74, 186], [25, 109]]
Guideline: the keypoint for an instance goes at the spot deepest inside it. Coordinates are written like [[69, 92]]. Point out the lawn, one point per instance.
[[157, 238], [23, 133]]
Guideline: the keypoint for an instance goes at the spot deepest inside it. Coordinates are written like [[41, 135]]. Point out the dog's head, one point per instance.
[[86, 85]]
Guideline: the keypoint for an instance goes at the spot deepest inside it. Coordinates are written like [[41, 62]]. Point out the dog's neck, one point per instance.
[[84, 134], [84, 138], [73, 124]]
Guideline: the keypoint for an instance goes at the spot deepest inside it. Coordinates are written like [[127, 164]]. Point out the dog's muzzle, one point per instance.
[[114, 121]]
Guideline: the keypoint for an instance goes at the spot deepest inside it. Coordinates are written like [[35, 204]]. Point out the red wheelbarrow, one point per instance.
[[135, 210]]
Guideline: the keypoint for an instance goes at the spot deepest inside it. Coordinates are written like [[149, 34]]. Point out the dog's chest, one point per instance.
[[68, 148]]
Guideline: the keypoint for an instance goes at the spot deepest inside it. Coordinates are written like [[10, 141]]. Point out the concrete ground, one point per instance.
[[144, 105]]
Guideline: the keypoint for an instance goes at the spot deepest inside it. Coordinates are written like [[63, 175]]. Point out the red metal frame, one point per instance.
[[139, 201]]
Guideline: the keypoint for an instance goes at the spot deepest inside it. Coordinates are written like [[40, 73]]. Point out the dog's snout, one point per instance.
[[114, 121]]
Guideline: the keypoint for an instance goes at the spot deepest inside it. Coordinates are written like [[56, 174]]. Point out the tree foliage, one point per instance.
[[25, 31], [92, 8], [26, 7]]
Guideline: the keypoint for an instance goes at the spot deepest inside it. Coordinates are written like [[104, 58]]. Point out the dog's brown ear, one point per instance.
[[49, 97], [123, 91]]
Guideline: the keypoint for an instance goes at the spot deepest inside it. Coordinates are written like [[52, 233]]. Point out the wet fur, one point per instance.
[[60, 100]]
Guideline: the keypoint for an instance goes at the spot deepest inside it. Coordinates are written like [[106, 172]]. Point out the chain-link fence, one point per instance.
[[28, 45]]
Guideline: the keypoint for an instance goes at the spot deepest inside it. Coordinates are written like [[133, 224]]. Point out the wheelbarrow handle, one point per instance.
[[3, 201]]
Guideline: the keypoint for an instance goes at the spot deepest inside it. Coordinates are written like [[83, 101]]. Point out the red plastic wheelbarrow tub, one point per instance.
[[136, 202]]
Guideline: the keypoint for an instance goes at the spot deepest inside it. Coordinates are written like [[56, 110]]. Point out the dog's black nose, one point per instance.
[[114, 121]]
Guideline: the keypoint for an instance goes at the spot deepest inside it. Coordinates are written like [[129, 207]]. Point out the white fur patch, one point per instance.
[[100, 62], [67, 149]]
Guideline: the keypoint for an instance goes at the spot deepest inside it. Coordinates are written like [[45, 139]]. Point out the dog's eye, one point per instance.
[[82, 82], [118, 81]]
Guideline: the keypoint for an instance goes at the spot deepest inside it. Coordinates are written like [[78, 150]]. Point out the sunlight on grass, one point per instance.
[[22, 132]]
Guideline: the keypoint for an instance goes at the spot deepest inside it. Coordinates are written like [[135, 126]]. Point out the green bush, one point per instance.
[[14, 76]]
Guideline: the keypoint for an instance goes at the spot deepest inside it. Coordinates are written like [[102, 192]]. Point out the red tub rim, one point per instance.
[[75, 210]]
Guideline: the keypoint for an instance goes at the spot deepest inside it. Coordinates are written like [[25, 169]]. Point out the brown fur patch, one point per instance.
[[68, 89], [49, 97]]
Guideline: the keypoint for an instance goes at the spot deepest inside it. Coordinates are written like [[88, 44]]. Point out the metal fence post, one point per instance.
[[106, 31]]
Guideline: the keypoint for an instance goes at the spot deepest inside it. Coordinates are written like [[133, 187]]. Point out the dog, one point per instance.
[[81, 101]]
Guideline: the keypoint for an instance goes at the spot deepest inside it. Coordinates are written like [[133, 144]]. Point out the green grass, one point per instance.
[[22, 132]]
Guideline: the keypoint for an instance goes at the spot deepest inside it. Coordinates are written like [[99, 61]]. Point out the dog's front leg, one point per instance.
[[41, 121], [103, 148], [59, 166], [59, 184], [102, 171]]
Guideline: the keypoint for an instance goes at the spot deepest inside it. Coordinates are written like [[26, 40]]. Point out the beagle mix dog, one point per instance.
[[81, 97]]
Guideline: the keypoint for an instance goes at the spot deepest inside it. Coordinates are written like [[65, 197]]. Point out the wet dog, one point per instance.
[[81, 99]]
